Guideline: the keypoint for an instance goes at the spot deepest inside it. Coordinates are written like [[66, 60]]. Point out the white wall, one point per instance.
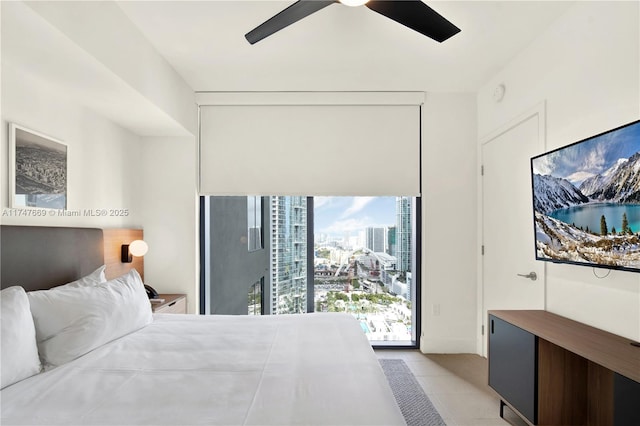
[[170, 216], [586, 67], [102, 30], [449, 237], [110, 167], [102, 156], [84, 74]]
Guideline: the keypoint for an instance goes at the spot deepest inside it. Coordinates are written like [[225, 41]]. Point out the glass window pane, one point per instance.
[[254, 301], [364, 253], [254, 223], [363, 263]]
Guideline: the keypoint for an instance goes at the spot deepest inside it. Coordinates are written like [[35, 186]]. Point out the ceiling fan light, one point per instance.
[[353, 3]]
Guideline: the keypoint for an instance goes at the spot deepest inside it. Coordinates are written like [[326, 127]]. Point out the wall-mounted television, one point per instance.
[[586, 201]]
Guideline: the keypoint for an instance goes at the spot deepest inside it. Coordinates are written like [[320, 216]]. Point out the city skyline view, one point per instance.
[[361, 265], [337, 216], [363, 250]]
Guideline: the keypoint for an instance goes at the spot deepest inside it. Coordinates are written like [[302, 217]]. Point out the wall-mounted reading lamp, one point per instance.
[[136, 248]]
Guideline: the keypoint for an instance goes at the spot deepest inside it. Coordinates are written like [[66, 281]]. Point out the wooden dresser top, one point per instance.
[[606, 349]]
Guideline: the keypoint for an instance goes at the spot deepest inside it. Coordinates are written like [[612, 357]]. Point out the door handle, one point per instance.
[[531, 275]]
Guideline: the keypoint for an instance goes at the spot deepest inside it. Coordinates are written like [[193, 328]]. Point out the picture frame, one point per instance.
[[37, 170]]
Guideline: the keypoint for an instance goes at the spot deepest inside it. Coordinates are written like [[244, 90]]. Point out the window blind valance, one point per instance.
[[329, 147]]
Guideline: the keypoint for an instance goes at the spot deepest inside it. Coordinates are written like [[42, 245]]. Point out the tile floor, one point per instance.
[[457, 386]]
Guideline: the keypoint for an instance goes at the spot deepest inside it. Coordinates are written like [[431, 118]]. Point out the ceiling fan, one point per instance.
[[410, 13]]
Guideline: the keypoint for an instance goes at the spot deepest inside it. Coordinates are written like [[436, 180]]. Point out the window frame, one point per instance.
[[416, 267]]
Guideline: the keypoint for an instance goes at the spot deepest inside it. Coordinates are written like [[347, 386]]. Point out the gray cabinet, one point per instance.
[[512, 366], [626, 401]]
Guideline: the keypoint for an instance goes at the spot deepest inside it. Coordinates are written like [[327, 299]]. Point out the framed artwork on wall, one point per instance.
[[37, 170]]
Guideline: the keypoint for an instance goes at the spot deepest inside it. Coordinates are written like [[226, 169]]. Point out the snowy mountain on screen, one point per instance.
[[552, 193], [595, 183], [620, 183]]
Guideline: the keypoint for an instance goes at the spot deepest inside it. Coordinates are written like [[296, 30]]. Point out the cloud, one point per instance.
[[321, 201], [357, 205], [574, 162], [339, 227], [578, 177]]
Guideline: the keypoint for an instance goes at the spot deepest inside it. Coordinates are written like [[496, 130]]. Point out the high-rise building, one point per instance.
[[375, 239], [391, 241], [288, 255], [403, 233]]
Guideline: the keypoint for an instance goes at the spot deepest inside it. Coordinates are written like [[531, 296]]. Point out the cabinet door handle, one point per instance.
[[172, 303], [492, 327]]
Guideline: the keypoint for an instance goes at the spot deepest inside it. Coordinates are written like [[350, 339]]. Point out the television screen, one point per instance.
[[586, 201]]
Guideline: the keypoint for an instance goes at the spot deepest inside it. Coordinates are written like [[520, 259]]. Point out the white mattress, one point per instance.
[[216, 370]]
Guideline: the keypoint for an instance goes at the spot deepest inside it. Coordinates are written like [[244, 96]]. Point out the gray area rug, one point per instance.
[[416, 407]]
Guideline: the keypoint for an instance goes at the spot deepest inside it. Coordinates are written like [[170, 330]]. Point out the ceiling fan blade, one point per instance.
[[293, 13], [417, 16]]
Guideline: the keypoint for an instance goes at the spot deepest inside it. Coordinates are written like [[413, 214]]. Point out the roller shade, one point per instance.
[[325, 148]]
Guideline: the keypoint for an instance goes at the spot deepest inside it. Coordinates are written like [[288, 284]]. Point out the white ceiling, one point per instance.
[[337, 48], [33, 52]]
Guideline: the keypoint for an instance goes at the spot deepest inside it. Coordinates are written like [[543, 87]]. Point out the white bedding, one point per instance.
[[216, 370]]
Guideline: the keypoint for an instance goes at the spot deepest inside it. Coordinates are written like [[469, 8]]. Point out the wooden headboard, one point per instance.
[[40, 257]]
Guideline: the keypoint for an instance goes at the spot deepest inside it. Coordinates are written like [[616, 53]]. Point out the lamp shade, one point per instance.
[[138, 248], [353, 3]]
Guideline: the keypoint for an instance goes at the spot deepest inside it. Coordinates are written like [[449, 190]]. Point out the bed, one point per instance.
[[106, 359]]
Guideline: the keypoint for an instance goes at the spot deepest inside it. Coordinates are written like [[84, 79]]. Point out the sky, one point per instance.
[[335, 216], [590, 157]]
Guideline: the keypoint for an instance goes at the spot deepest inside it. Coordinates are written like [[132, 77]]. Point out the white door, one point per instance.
[[507, 218]]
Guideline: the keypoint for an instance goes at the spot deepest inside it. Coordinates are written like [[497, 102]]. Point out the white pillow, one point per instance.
[[19, 353], [96, 277], [73, 321]]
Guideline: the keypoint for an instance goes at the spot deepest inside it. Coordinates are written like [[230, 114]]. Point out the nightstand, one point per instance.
[[173, 304]]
